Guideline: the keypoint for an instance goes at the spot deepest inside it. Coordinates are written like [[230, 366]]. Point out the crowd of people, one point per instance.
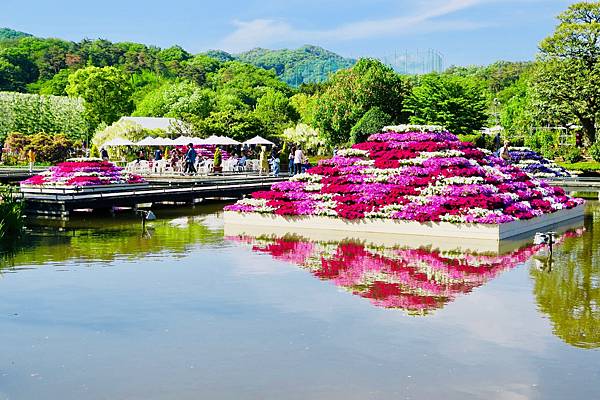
[[190, 159]]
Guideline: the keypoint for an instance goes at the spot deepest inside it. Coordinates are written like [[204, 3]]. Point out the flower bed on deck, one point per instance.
[[83, 173]]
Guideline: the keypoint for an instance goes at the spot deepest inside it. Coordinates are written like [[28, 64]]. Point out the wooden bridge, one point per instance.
[[58, 202]]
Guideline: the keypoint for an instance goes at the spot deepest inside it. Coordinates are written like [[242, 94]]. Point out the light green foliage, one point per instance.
[[372, 122], [249, 83], [568, 77], [305, 136], [30, 113], [237, 124], [594, 151], [544, 141], [352, 92], [452, 101], [122, 129], [106, 91], [180, 100], [303, 65], [57, 85], [275, 112], [306, 107]]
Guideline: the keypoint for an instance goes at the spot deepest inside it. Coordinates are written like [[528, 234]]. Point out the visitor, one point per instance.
[[31, 157], [141, 156], [298, 159], [104, 154], [497, 141], [291, 161], [190, 160], [158, 155], [275, 160], [504, 153], [1, 150], [264, 161], [242, 162]]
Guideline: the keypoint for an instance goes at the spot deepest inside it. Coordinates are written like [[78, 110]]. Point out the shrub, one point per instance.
[[594, 151], [11, 215], [47, 147], [572, 154], [371, 122]]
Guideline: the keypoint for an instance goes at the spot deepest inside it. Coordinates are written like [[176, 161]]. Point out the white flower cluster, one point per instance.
[[313, 187], [326, 208], [84, 159], [413, 128], [259, 204], [306, 178], [462, 180], [385, 211], [441, 154], [352, 153]]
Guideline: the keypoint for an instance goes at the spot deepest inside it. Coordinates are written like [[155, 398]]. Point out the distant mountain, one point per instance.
[[7, 34], [306, 64]]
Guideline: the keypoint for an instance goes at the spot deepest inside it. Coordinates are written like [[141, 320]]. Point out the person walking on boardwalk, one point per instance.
[[31, 157], [298, 159], [190, 160], [264, 161], [104, 154], [291, 161]]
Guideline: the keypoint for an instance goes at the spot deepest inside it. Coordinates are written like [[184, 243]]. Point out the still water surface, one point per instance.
[[96, 309]]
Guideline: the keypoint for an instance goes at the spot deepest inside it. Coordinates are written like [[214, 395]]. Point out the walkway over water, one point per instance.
[[61, 202]]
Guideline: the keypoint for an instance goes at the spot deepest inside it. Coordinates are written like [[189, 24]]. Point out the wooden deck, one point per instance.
[[58, 202]]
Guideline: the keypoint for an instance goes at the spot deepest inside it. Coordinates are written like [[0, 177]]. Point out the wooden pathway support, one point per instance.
[[58, 202]]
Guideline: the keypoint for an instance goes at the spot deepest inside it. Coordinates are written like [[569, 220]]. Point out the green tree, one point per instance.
[[372, 122], [568, 77], [352, 92], [106, 92], [275, 112], [452, 101]]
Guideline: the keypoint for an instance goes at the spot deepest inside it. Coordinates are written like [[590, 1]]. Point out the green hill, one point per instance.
[[306, 64], [7, 34]]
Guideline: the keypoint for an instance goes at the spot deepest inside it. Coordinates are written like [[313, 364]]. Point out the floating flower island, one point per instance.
[[416, 183], [83, 174]]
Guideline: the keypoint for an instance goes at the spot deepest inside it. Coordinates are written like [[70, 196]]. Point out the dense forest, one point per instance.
[[550, 104]]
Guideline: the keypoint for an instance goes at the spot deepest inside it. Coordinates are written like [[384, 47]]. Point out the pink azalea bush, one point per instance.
[[91, 172], [415, 176]]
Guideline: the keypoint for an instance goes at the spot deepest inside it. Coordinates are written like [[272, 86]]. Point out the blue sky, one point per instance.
[[464, 31]]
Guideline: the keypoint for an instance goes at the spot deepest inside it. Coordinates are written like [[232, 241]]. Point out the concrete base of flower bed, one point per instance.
[[443, 235]]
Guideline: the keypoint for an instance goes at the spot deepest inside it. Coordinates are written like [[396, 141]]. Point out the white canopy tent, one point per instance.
[[220, 140], [182, 140], [147, 141], [259, 140], [118, 142], [160, 141]]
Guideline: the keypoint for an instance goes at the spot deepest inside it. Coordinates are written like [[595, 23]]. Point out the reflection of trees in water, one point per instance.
[[417, 281], [570, 293], [110, 239]]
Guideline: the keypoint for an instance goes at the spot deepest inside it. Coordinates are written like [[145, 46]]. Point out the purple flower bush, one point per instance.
[[414, 176], [534, 164]]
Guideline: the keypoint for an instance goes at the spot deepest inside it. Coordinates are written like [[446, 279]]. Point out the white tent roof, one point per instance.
[[151, 123], [147, 141], [118, 142], [160, 141], [182, 140], [259, 140], [197, 140], [224, 140]]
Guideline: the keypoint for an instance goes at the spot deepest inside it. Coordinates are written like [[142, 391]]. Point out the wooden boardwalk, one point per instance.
[[62, 202]]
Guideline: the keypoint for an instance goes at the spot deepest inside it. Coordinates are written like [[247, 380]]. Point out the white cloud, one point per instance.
[[269, 32]]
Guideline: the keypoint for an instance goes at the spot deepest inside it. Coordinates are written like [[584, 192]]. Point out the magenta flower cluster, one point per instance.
[[83, 173]]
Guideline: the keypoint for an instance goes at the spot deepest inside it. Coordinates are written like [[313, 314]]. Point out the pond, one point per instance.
[[94, 308]]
